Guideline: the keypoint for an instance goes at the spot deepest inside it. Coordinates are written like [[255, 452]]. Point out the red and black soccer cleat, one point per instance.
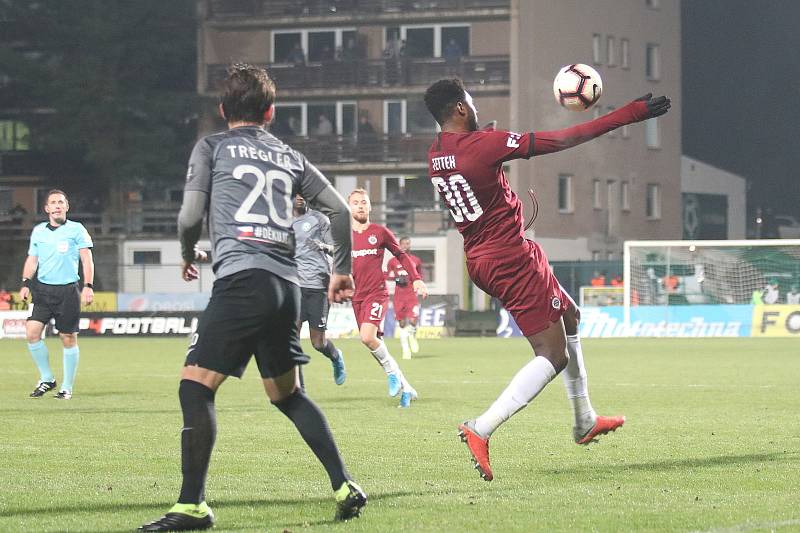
[[604, 424], [478, 447]]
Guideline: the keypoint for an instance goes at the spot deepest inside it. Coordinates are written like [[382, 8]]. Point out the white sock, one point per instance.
[[404, 339], [412, 330], [526, 384], [577, 385], [384, 358]]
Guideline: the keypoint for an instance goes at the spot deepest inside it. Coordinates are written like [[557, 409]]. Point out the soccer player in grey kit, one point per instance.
[[246, 179], [313, 247]]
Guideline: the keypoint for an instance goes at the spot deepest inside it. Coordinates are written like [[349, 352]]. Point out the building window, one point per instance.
[[652, 133], [318, 119], [428, 40], [653, 201], [597, 201], [394, 117], [625, 196], [625, 53], [418, 118], [565, 194], [146, 257], [316, 45], [412, 117], [14, 136], [596, 50], [653, 62], [611, 51], [409, 192]]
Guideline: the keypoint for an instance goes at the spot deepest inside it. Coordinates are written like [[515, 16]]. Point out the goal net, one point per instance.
[[709, 272]]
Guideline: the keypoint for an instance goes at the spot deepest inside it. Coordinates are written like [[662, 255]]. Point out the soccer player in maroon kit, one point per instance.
[[371, 297], [406, 303], [466, 166]]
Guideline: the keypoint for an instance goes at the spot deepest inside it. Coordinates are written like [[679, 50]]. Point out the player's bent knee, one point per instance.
[[283, 386], [204, 376]]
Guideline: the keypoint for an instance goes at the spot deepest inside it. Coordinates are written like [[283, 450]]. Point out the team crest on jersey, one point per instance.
[[372, 239], [556, 302], [306, 226]]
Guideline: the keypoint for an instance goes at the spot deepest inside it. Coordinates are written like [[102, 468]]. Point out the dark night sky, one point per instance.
[[741, 94]]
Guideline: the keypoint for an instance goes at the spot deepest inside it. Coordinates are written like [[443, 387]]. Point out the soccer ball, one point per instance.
[[577, 87]]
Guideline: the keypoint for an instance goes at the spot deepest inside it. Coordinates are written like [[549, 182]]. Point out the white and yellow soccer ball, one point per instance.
[[577, 87]]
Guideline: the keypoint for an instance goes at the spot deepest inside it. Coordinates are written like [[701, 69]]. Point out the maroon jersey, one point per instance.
[[368, 247], [403, 286], [467, 170]]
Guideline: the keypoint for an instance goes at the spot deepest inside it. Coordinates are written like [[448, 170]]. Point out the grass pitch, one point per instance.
[[712, 442]]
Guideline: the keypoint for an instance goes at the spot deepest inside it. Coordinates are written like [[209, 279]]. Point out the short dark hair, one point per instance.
[[442, 97], [247, 93], [51, 192], [404, 238]]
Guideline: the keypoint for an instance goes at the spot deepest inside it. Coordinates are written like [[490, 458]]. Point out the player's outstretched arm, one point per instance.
[[643, 108], [190, 225]]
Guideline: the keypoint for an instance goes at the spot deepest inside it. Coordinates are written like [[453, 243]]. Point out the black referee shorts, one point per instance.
[[252, 312], [62, 302], [314, 308]]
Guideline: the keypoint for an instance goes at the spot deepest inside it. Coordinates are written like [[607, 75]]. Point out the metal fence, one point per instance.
[[376, 73], [296, 8]]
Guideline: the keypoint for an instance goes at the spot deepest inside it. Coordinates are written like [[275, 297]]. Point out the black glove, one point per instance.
[[655, 106]]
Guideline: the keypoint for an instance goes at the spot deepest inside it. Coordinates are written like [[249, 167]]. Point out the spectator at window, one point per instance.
[[350, 50], [294, 126], [365, 128], [452, 52], [324, 125], [297, 56], [392, 49], [326, 54]]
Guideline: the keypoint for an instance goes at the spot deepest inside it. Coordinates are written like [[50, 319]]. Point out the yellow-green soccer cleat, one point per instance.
[[183, 517], [350, 500]]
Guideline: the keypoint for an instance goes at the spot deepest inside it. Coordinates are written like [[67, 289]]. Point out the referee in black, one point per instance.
[[245, 179]]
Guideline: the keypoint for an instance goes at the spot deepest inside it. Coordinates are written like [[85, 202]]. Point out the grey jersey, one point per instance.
[[313, 264], [251, 179]]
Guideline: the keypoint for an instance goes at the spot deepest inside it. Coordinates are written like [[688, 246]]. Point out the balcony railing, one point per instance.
[[403, 217], [299, 8], [376, 73], [373, 149]]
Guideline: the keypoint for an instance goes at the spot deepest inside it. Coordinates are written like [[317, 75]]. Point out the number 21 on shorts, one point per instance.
[[459, 197], [376, 311]]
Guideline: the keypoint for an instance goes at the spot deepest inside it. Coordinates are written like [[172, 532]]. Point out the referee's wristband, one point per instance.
[[88, 286]]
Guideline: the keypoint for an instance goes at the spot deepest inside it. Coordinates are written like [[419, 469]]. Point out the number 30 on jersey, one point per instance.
[[459, 197]]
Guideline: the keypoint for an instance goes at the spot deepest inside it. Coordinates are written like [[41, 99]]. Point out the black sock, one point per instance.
[[313, 427], [197, 438], [328, 350]]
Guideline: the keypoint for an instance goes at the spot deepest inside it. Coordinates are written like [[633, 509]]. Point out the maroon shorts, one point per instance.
[[372, 310], [406, 306], [524, 282]]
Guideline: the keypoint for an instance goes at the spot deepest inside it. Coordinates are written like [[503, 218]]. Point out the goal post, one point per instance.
[[664, 273]]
